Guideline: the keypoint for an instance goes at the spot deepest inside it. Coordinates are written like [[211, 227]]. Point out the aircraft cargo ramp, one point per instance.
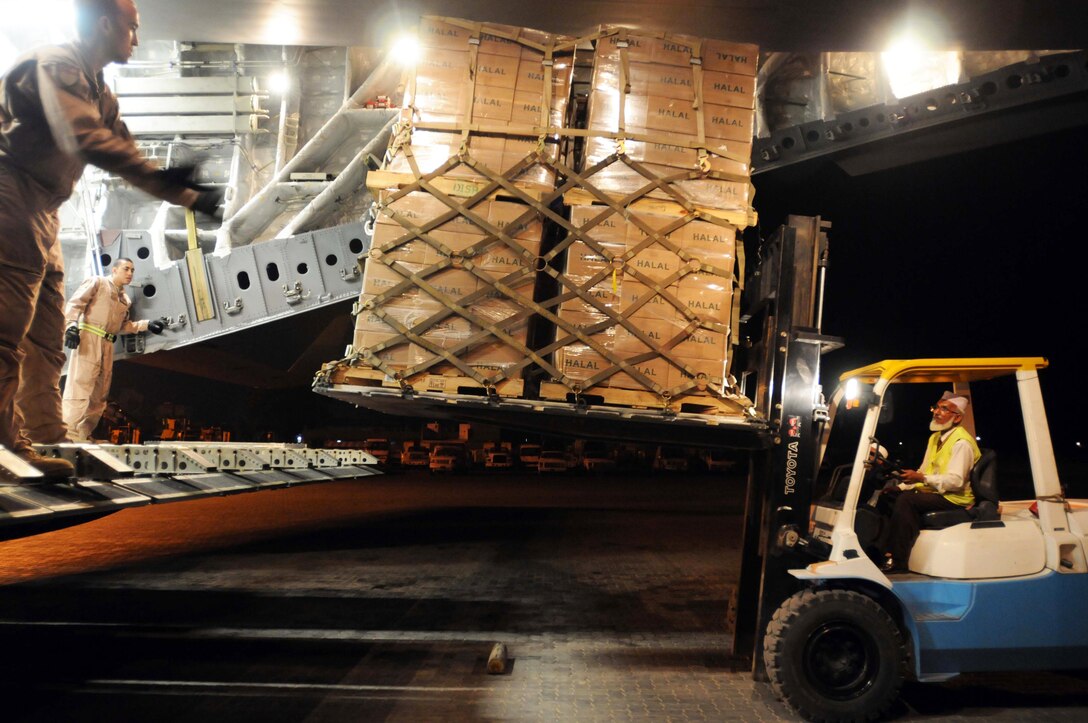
[[115, 477]]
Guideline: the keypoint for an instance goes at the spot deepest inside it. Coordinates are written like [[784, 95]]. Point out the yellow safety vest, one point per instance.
[[939, 457]]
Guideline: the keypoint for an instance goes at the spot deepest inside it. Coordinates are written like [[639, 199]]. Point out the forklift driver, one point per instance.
[[943, 482]]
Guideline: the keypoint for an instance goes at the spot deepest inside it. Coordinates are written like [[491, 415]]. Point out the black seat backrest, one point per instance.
[[984, 485]]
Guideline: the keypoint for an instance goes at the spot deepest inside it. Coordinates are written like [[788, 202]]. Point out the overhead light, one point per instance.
[[281, 28], [279, 82], [44, 14], [912, 71], [406, 49], [917, 58]]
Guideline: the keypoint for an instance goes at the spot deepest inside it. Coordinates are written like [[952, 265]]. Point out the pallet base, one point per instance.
[[635, 399], [425, 382]]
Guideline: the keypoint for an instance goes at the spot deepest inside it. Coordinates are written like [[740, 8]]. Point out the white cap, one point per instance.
[[956, 400], [879, 449]]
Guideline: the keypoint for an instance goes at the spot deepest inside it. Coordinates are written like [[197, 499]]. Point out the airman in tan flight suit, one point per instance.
[[97, 313], [57, 115]]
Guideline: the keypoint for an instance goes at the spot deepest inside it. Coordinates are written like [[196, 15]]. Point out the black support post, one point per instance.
[[781, 477]]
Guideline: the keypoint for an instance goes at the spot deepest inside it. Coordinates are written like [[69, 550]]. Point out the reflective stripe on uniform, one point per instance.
[[98, 331]]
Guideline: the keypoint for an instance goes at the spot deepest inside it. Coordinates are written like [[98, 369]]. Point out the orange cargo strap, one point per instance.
[[546, 104], [625, 89], [697, 104], [470, 96]]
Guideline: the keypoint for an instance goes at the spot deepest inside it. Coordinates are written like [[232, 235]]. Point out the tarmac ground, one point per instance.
[[382, 598]]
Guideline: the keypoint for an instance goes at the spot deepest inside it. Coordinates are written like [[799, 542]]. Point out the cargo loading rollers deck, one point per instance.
[[578, 417], [113, 477]]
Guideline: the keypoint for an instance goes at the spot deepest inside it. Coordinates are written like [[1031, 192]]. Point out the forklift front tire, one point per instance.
[[834, 655]]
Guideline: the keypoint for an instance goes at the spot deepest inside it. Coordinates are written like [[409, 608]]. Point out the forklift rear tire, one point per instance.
[[834, 655]]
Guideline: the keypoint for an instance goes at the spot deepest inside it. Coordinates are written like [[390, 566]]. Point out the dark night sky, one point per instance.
[[974, 254]]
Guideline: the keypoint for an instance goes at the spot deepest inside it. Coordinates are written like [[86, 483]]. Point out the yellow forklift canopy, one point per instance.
[[924, 371]]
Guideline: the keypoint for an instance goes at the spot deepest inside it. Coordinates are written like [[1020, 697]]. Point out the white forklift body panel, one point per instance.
[[971, 551]]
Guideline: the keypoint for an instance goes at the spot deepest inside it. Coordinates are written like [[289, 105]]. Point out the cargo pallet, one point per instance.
[[430, 382]]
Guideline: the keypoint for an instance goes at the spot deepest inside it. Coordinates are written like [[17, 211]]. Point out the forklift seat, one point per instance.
[[984, 485]]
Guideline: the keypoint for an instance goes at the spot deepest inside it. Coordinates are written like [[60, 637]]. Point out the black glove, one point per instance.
[[181, 176], [208, 203], [155, 326], [71, 337]]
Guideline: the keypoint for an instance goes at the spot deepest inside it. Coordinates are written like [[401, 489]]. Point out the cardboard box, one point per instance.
[[495, 357], [584, 261], [605, 294], [620, 180], [610, 229], [647, 114], [448, 333], [516, 220], [703, 344], [606, 336], [654, 370], [402, 311], [379, 278], [419, 208], [712, 369], [742, 58], [642, 302], [663, 153], [438, 32], [655, 263], [398, 244], [580, 362], [719, 55], [452, 284], [398, 355], [500, 71], [669, 50], [652, 336], [670, 81], [707, 296]]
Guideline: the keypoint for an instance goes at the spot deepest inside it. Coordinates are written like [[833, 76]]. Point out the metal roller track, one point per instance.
[[114, 477]]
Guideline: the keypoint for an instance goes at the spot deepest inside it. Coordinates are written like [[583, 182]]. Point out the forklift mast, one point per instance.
[[782, 309]]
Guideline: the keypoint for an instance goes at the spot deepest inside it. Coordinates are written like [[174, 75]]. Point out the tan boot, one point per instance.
[[53, 468]]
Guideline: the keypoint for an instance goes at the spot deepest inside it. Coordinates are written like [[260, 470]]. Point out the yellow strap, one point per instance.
[[190, 229], [97, 331]]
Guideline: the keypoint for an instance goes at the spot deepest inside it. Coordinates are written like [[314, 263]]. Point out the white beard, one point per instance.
[[935, 426]]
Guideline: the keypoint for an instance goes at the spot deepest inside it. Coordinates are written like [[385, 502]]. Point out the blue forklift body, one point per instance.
[[1024, 623]]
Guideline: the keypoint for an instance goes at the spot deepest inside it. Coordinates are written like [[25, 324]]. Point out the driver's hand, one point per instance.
[[912, 476]]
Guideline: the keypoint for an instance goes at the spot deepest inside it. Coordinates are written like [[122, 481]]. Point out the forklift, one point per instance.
[[833, 634]]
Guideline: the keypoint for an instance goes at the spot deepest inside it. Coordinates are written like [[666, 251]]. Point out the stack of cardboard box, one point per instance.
[[657, 286], [432, 269], [503, 90], [670, 299], [451, 272], [654, 82]]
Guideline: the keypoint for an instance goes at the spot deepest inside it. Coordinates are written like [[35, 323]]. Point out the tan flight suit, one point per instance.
[[56, 115], [102, 312]]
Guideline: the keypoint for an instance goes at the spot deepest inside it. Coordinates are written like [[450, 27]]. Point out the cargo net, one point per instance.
[[491, 255]]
